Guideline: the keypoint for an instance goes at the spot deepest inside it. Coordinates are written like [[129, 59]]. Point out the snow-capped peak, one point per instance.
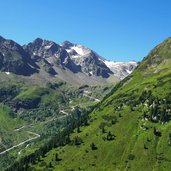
[[121, 69], [79, 52], [75, 50]]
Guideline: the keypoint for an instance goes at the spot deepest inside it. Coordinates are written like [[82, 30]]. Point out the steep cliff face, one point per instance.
[[93, 64], [52, 53], [13, 58], [69, 62]]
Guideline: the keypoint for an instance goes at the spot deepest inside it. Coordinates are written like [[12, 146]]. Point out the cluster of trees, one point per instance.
[[77, 141], [156, 132], [93, 146], [159, 110], [169, 140], [60, 139], [23, 164], [156, 110], [8, 92], [110, 136], [56, 159]]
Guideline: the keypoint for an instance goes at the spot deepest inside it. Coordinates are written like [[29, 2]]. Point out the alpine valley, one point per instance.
[[45, 88], [66, 108]]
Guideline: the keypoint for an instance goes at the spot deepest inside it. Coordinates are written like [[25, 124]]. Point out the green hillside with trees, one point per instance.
[[128, 129]]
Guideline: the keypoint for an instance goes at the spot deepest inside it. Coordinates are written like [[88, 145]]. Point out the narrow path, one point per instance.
[[30, 139], [92, 98], [52, 119], [23, 149], [35, 134], [25, 126], [62, 111]]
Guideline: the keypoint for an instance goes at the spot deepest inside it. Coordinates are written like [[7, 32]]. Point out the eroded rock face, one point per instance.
[[89, 61], [13, 58], [43, 48], [68, 61], [93, 64], [51, 52]]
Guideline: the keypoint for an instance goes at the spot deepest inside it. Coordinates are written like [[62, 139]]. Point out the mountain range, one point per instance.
[[129, 129], [69, 62], [49, 124]]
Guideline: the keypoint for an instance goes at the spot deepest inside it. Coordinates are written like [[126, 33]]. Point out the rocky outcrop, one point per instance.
[[13, 58]]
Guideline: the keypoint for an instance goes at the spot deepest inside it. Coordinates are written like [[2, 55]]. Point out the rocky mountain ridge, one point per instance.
[[129, 128], [70, 62], [80, 53]]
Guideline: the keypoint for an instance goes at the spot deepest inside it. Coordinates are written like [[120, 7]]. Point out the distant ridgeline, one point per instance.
[[129, 129], [45, 60]]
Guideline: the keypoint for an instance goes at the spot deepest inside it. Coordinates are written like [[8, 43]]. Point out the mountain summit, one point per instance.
[[70, 62], [94, 64], [13, 58], [130, 127], [90, 62]]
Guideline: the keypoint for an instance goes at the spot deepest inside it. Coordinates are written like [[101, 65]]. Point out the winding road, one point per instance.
[[90, 97], [37, 135], [30, 139]]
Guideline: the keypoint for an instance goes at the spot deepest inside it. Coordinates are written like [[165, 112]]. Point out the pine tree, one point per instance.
[[93, 146], [110, 136], [78, 129], [67, 140], [103, 130], [56, 157], [50, 165]]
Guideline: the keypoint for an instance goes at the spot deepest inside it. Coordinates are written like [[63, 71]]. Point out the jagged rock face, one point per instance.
[[1, 60], [71, 62], [52, 52], [64, 60], [43, 48], [14, 59], [46, 66], [67, 45], [121, 69], [93, 64], [89, 61]]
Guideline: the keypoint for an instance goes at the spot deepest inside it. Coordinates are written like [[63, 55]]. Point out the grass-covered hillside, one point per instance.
[[129, 130], [31, 113]]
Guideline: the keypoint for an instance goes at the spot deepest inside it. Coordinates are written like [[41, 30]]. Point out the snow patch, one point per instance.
[[8, 73], [81, 50], [48, 46], [91, 72], [121, 69], [75, 56], [68, 50], [128, 71], [78, 49]]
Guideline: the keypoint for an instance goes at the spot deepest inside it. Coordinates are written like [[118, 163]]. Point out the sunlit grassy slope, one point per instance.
[[124, 113], [37, 108], [8, 135]]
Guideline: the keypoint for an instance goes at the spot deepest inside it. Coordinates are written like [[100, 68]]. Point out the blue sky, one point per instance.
[[120, 30]]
